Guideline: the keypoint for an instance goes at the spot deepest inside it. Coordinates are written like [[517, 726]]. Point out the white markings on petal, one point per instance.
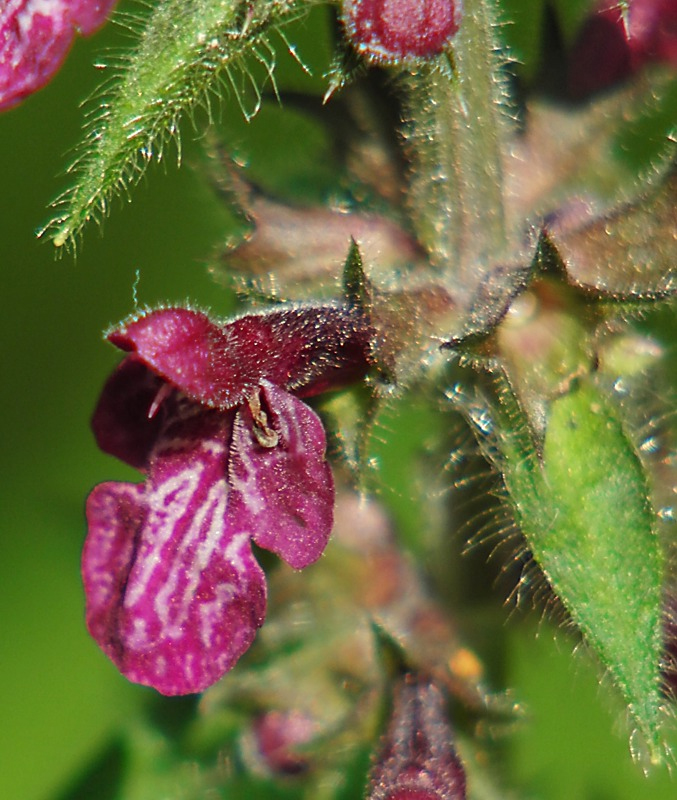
[[166, 505], [174, 594], [210, 612], [233, 552]]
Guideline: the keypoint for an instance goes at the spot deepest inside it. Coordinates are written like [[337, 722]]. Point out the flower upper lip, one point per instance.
[[307, 350]]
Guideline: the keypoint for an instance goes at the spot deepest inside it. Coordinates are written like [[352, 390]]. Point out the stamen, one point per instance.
[[265, 436], [163, 392]]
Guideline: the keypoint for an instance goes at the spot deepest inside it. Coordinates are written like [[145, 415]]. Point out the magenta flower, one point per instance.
[[211, 414], [35, 36], [390, 31], [605, 52]]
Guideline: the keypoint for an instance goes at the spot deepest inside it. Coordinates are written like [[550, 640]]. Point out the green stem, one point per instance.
[[456, 130]]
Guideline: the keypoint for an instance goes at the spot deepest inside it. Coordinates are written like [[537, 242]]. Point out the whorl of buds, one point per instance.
[[391, 31], [418, 760]]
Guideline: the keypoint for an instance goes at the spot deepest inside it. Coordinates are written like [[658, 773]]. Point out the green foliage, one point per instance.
[[580, 496], [598, 545], [187, 53]]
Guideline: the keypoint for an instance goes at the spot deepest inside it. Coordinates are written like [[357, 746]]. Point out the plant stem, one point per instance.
[[456, 129]]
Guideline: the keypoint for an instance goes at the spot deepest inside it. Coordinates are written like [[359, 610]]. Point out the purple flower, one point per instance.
[[35, 36], [211, 414], [605, 53]]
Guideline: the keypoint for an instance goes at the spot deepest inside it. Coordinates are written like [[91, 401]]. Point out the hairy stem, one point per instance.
[[455, 132]]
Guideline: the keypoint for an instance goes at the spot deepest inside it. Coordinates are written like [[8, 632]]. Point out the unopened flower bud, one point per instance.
[[390, 31], [274, 744], [418, 760]]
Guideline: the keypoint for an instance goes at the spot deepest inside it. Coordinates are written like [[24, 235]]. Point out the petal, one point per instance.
[[114, 512], [284, 494], [601, 55], [89, 15], [178, 344], [307, 350], [35, 36], [124, 423], [174, 596]]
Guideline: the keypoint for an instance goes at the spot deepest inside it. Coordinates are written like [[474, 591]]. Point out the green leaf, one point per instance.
[[187, 50], [600, 550], [581, 499]]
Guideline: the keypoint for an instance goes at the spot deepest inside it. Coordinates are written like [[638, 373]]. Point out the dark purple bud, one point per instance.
[[390, 31], [418, 760]]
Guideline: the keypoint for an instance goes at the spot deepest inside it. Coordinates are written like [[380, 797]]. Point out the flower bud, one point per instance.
[[390, 31], [418, 760], [272, 745]]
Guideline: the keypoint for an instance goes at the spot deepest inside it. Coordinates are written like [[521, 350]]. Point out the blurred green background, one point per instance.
[[60, 699]]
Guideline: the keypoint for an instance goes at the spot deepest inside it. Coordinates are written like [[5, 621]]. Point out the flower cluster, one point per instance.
[[211, 414], [36, 35]]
